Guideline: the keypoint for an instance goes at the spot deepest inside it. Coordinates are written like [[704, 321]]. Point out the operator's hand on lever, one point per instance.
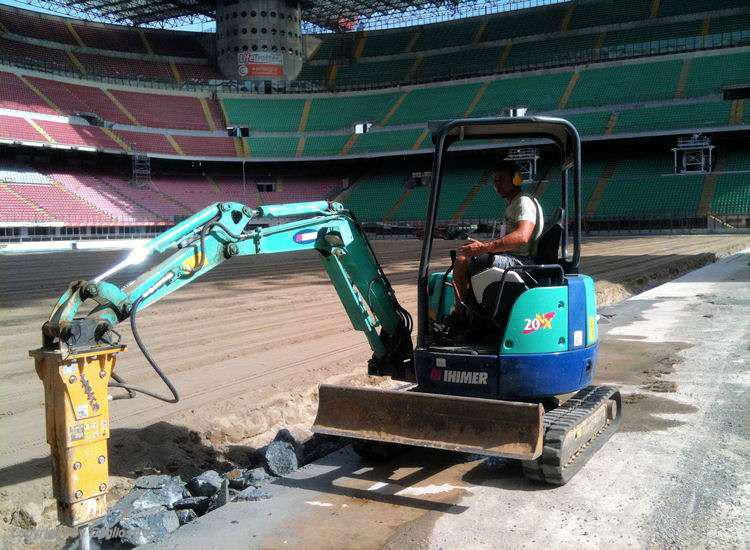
[[473, 248]]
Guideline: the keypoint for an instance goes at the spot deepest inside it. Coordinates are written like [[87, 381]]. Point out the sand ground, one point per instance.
[[246, 346]]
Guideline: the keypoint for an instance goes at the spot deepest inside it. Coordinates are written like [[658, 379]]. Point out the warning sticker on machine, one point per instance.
[[577, 338]]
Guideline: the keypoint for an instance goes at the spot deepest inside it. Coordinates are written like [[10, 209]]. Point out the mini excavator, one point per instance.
[[519, 386]]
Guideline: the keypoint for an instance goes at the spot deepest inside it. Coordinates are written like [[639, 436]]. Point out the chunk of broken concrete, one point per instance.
[[221, 497], [205, 484], [186, 516], [242, 479], [197, 504], [152, 525], [252, 494], [308, 446], [281, 458], [152, 481], [150, 492]]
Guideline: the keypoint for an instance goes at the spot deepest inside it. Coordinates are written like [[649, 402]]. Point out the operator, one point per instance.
[[524, 223]]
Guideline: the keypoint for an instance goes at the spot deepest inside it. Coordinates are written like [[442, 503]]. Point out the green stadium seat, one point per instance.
[[589, 124], [324, 146], [415, 205], [268, 115], [646, 187], [536, 21], [373, 142], [380, 73], [337, 112], [609, 12], [537, 92], [735, 160], [456, 185], [710, 74], [629, 83], [313, 73], [446, 35], [690, 116], [435, 103], [471, 62], [652, 39], [487, 205], [272, 147], [373, 196], [551, 52], [732, 194], [669, 8], [387, 42]]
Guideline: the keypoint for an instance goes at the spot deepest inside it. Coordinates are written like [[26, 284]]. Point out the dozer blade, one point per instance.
[[465, 424]]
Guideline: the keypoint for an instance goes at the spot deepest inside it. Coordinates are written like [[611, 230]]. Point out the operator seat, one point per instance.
[[488, 284]]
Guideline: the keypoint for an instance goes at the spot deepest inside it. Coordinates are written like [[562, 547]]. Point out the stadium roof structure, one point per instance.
[[334, 15]]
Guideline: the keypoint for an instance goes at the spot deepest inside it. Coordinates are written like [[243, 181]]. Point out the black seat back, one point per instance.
[[548, 246]]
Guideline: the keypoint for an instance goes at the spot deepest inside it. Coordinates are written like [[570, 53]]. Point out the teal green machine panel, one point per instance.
[[538, 322], [440, 284]]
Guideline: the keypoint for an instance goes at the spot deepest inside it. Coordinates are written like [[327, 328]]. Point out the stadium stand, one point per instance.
[[35, 25], [19, 129], [270, 115], [15, 94], [670, 59]]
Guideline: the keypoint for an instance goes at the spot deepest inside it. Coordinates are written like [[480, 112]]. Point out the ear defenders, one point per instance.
[[517, 179]]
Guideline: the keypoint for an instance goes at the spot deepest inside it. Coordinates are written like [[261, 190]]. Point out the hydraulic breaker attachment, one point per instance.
[[76, 403], [464, 424]]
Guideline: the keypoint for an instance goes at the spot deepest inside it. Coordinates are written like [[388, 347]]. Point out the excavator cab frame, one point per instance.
[[559, 131]]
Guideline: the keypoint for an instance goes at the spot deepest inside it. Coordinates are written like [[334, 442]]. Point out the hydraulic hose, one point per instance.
[[151, 361]]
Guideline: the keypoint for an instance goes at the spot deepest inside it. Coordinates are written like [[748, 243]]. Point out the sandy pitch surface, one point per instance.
[[246, 347]]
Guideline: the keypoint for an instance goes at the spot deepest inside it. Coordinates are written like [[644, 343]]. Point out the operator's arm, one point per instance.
[[508, 243]]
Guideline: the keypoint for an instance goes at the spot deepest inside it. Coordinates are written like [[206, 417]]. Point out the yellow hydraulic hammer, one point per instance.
[[76, 402]]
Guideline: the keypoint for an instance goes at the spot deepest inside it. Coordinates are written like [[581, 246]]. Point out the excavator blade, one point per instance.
[[464, 424]]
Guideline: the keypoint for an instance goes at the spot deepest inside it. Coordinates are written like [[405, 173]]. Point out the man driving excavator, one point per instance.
[[524, 224]]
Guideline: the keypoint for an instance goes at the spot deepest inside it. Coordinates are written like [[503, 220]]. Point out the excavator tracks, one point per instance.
[[573, 432]]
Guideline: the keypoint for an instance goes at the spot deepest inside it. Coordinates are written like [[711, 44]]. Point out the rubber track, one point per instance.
[[558, 422]]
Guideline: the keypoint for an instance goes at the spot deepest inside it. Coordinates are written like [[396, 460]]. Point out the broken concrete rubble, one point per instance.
[[242, 479], [197, 504], [145, 526], [252, 494], [186, 516], [281, 458], [296, 446], [159, 504], [205, 484], [221, 497]]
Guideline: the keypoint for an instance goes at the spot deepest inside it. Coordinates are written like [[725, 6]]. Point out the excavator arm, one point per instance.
[[76, 362], [218, 233]]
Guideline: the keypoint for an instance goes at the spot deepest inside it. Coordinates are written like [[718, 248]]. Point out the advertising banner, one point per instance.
[[260, 64]]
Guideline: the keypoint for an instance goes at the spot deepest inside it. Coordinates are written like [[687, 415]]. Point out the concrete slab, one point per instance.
[[675, 475]]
